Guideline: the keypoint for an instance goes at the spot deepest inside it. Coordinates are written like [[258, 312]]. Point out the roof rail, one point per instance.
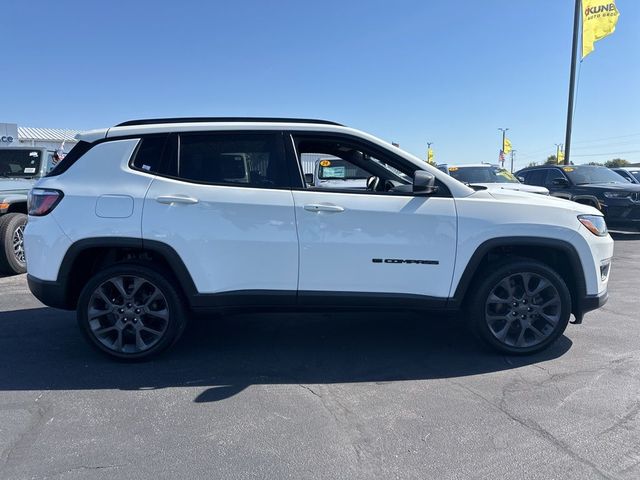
[[153, 121]]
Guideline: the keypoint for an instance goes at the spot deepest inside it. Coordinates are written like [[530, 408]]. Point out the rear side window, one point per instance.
[[252, 160], [536, 177], [148, 155]]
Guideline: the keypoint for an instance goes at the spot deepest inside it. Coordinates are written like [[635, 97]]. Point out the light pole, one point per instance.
[[504, 136], [513, 158]]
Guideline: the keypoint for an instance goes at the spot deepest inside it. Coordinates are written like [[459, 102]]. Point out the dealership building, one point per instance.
[[12, 135]]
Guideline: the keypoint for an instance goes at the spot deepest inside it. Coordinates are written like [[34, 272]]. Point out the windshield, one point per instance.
[[635, 173], [340, 170], [587, 175], [19, 163], [482, 175]]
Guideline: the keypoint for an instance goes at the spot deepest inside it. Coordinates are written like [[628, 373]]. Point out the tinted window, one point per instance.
[[149, 153], [553, 174], [253, 160], [20, 163], [536, 177]]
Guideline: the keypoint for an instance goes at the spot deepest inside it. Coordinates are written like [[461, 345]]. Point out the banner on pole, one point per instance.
[[599, 19]]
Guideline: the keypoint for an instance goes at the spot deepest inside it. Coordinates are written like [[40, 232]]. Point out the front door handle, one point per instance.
[[169, 199], [323, 207]]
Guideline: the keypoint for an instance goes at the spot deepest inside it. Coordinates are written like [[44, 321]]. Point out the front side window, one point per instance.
[[554, 174], [536, 177], [343, 164], [19, 163], [251, 160]]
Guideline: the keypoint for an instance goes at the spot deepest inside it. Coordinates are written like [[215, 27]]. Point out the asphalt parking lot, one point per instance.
[[323, 396]]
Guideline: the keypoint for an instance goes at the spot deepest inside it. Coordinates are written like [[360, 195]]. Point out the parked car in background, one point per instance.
[[20, 167], [491, 176], [632, 174], [599, 187]]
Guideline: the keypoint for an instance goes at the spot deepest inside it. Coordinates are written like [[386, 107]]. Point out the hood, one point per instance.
[[521, 187], [627, 187], [15, 185], [516, 197]]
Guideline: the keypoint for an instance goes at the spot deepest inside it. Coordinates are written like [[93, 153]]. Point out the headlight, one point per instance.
[[594, 223], [617, 194]]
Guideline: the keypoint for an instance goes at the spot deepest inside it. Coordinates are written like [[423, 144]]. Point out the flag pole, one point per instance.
[[572, 82]]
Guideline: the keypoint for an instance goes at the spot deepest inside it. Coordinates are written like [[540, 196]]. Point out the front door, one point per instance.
[[379, 239]]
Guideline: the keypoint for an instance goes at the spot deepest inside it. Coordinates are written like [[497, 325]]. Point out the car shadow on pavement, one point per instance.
[[42, 349]]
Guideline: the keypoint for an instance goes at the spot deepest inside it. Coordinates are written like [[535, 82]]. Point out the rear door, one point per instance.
[[223, 203]]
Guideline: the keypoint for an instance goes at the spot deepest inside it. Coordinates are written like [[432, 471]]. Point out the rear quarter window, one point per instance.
[[148, 154]]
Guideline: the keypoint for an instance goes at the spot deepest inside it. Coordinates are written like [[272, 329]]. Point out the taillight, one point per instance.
[[42, 201]]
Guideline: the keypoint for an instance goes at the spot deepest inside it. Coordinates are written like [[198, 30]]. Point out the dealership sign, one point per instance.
[[8, 134]]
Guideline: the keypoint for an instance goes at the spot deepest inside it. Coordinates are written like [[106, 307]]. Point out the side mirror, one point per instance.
[[424, 182], [560, 182], [521, 179], [308, 178]]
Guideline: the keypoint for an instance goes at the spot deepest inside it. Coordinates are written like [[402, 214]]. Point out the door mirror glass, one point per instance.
[[424, 182], [521, 179]]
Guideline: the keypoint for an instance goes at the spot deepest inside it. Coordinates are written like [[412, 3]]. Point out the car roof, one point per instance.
[[475, 165]]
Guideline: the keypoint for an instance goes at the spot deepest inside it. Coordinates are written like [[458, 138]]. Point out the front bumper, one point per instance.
[[52, 294], [589, 303]]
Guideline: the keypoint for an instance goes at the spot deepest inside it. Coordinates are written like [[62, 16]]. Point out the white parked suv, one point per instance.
[[150, 220]]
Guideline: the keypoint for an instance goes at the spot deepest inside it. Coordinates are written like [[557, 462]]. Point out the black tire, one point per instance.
[[12, 261], [122, 330], [492, 317]]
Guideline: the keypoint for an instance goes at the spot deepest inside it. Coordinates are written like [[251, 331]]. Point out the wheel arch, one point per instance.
[[557, 254], [87, 256]]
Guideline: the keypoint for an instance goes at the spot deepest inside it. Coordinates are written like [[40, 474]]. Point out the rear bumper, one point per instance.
[[48, 292]]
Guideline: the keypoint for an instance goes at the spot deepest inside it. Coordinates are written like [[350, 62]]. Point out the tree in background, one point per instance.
[[616, 162], [551, 160]]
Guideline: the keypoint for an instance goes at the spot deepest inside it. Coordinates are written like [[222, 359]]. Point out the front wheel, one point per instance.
[[130, 311], [521, 307], [12, 257]]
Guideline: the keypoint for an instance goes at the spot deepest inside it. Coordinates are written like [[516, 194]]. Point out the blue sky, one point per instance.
[[449, 72]]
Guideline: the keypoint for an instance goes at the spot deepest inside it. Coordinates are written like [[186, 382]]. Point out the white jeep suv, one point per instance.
[[150, 220]]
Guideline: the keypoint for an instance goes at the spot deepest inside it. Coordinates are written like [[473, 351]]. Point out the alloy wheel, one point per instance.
[[18, 244], [523, 310], [128, 314]]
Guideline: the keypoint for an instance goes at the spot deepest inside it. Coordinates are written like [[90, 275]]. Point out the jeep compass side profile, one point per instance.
[[147, 221]]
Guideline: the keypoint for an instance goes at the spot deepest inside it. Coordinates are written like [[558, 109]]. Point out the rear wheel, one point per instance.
[[520, 307], [12, 257], [131, 312]]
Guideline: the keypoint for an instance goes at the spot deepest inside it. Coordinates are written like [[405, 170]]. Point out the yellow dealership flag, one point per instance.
[[560, 157], [506, 148], [599, 18], [430, 155]]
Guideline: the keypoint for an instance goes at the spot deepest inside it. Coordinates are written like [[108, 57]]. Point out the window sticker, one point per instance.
[[33, 154], [325, 163], [453, 169], [146, 167], [30, 170], [334, 172], [568, 169]]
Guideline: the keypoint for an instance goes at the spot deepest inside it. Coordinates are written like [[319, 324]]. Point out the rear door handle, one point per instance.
[[169, 199], [323, 207]]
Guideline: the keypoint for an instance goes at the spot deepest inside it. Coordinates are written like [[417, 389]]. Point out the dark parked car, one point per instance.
[[599, 187], [632, 174]]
